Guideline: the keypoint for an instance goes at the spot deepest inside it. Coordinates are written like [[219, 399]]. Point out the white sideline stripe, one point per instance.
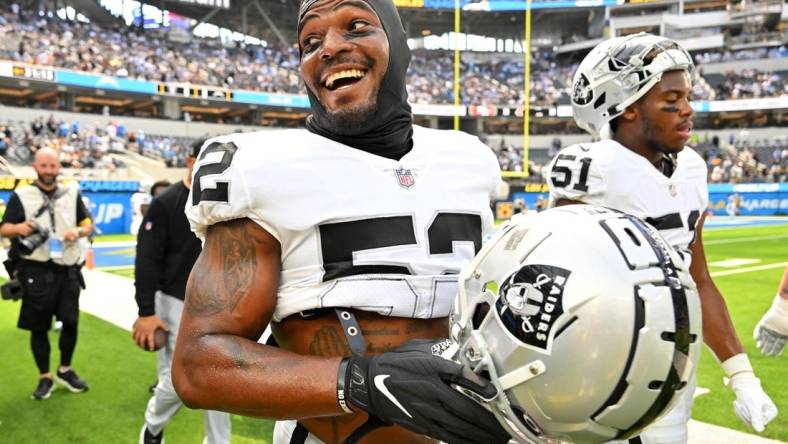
[[749, 269], [700, 391], [704, 433], [109, 297], [744, 239], [735, 262]]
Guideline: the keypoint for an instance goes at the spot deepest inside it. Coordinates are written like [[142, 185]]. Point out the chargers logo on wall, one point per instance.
[[530, 301]]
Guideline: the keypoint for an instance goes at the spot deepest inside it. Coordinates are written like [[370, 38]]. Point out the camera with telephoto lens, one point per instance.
[[29, 243], [11, 290]]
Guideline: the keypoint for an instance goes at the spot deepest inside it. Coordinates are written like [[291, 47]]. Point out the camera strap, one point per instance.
[[48, 204]]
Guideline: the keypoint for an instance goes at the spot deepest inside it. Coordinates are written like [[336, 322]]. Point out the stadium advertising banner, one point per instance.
[[104, 82], [109, 201], [749, 199], [195, 92], [192, 91], [270, 99]]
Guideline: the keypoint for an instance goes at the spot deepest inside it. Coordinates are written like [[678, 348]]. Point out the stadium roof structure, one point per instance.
[[275, 20]]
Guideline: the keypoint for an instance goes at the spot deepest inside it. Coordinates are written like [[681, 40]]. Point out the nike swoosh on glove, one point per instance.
[[771, 333], [752, 405], [412, 387]]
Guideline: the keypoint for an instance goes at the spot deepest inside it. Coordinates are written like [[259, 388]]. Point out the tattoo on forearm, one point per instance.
[[220, 288]]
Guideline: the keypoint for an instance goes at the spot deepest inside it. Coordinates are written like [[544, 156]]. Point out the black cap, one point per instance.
[[195, 147]]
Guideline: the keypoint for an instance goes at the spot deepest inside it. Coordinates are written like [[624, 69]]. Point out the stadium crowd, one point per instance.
[[742, 54], [129, 52], [729, 161], [87, 147], [77, 147], [733, 161], [743, 160]]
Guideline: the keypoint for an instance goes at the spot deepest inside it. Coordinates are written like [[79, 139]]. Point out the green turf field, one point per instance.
[[119, 373], [748, 296], [115, 238]]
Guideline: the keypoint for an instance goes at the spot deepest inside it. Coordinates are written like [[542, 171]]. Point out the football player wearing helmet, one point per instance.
[[347, 238], [771, 333], [634, 92]]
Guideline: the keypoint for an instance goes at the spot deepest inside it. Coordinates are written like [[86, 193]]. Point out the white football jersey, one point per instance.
[[608, 174], [356, 230]]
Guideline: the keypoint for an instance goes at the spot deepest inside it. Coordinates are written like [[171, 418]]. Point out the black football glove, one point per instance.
[[411, 387]]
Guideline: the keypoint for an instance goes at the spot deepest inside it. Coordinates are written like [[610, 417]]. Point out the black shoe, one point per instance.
[[152, 387], [44, 389], [71, 381], [146, 437]]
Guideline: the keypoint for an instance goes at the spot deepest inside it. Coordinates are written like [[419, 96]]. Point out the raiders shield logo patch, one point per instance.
[[581, 91], [531, 301]]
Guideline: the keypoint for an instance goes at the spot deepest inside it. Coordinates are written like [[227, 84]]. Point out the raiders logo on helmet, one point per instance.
[[530, 301], [581, 91]]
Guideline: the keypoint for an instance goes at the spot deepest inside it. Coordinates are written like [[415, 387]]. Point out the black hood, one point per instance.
[[389, 131]]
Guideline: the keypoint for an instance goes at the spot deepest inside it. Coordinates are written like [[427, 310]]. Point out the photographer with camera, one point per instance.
[[44, 222]]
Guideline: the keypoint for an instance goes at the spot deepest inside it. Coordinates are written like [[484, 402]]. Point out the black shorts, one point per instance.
[[49, 290]]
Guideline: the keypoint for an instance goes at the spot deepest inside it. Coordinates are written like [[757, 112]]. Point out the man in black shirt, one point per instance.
[[50, 273], [166, 252]]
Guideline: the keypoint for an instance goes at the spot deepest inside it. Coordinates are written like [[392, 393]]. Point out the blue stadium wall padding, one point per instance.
[[109, 201]]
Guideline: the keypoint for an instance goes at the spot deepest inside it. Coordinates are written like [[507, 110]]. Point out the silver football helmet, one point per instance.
[[585, 320], [618, 72]]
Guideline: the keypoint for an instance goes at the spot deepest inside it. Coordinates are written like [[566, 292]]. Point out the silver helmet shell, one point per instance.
[[586, 321], [618, 72]]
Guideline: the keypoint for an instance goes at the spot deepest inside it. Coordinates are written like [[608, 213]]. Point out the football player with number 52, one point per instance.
[[346, 238], [634, 93]]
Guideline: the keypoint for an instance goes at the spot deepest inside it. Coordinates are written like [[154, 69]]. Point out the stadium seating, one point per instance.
[[127, 52]]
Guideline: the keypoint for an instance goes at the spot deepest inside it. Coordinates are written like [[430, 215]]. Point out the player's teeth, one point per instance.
[[347, 73]]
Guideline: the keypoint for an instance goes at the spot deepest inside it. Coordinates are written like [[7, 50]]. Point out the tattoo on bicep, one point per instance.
[[239, 265], [216, 289], [202, 291]]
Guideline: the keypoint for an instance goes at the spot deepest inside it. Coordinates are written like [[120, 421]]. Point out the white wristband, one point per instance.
[[737, 364], [780, 305]]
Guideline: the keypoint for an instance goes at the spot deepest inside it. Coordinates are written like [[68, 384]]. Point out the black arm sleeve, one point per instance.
[[82, 211], [149, 263], [14, 211]]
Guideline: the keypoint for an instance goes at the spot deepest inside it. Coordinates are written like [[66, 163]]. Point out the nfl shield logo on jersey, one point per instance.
[[405, 178]]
